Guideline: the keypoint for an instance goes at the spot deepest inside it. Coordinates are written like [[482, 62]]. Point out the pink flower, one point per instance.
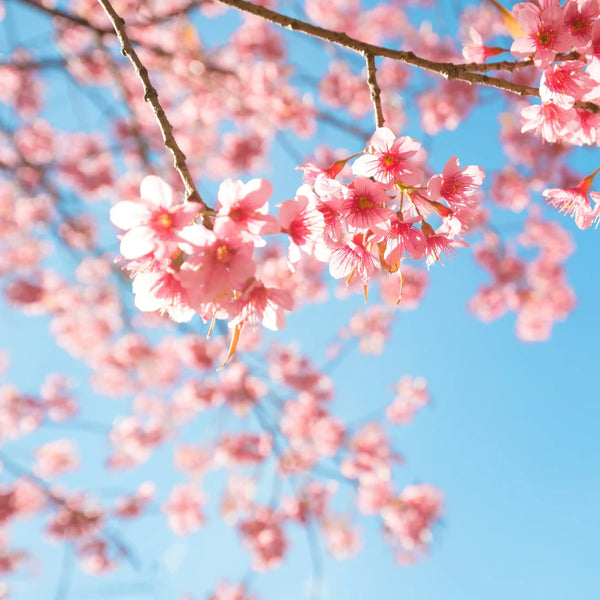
[[153, 222], [246, 207], [194, 460], [457, 186], [94, 558], [162, 291], [412, 395], [365, 204], [304, 224], [550, 121], [580, 15], [310, 502], [184, 509], [77, 517], [545, 32], [373, 495], [409, 517], [230, 591], [262, 532], [260, 304], [438, 244], [308, 426], [563, 84], [55, 458], [477, 51], [387, 159], [510, 189], [342, 540], [219, 266], [370, 456], [575, 203], [243, 449], [353, 257], [404, 289], [238, 497], [129, 507]]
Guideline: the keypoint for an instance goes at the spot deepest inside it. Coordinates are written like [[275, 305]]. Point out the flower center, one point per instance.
[[223, 253], [235, 214], [165, 220], [364, 202]]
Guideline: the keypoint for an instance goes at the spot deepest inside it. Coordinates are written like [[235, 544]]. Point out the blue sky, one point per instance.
[[511, 436]]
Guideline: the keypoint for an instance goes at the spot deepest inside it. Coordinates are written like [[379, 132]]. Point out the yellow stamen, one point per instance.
[[165, 220], [223, 253]]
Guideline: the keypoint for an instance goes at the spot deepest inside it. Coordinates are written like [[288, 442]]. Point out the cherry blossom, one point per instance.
[[184, 509], [208, 413]]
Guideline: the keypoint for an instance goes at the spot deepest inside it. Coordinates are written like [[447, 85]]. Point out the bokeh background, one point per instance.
[[511, 436]]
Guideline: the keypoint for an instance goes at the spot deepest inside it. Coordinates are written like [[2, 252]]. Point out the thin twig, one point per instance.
[[342, 125], [374, 89], [151, 96]]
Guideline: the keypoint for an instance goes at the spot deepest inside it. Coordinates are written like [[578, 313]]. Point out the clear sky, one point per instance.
[[512, 435]]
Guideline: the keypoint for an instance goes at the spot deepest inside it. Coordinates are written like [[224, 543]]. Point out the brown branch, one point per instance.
[[514, 65], [151, 96], [500, 65], [445, 69], [374, 89]]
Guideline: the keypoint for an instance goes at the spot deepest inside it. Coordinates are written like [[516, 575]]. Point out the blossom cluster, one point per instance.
[[185, 262], [563, 44]]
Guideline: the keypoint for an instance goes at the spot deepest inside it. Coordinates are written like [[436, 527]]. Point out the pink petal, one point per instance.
[[257, 193], [452, 166], [522, 47], [156, 191], [229, 192], [528, 17], [127, 214], [383, 139], [137, 242]]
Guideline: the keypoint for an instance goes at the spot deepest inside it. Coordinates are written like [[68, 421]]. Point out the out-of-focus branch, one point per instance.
[[101, 31], [342, 125], [18, 471], [156, 20], [140, 142]]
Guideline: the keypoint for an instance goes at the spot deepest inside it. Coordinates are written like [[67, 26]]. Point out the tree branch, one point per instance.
[[374, 89], [140, 142], [55, 498], [447, 70], [151, 96]]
